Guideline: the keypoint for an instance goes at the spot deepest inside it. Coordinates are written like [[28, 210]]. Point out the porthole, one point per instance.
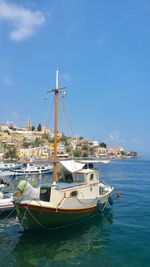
[[74, 193]]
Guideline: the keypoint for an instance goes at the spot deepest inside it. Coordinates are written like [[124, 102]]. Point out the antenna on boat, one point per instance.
[[56, 91]]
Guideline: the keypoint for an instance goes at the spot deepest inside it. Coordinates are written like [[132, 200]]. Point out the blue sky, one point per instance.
[[102, 49]]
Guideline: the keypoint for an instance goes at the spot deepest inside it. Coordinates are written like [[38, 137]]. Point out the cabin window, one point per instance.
[[68, 177], [79, 177], [85, 166], [88, 166], [91, 177], [74, 194], [45, 193], [65, 177], [91, 166]]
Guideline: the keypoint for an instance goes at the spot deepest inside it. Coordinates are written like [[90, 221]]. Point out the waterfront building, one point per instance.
[[36, 152], [114, 150]]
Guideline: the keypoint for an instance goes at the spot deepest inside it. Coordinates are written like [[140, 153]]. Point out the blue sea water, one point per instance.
[[120, 237]]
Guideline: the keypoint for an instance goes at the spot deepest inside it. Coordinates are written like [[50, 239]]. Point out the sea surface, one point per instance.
[[120, 237]]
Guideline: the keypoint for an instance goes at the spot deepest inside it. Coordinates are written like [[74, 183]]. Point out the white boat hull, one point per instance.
[[6, 206]]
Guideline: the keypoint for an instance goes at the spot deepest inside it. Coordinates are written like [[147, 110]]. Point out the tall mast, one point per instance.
[[56, 91]]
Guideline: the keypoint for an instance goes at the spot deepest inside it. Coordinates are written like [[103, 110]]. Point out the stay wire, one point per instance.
[[65, 117], [48, 117]]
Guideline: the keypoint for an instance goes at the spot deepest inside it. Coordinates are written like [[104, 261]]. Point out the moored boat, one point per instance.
[[74, 194], [6, 204], [31, 168], [9, 166]]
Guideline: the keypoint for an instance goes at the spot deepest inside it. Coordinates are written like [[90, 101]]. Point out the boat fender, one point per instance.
[[33, 181], [99, 206], [110, 200], [117, 194]]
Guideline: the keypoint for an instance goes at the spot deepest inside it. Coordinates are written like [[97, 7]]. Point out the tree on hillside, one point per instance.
[[85, 153], [77, 153], [103, 145], [7, 131], [85, 147], [26, 144], [92, 151], [39, 128], [123, 153], [38, 142], [33, 128], [63, 138], [11, 153]]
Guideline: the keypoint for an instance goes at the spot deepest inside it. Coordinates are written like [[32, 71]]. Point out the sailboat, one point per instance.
[[76, 192]]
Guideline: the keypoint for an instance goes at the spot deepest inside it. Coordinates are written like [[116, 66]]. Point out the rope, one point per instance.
[[8, 214], [23, 217], [84, 204], [35, 218], [27, 209], [57, 227], [105, 205], [2, 211], [7, 184], [52, 228]]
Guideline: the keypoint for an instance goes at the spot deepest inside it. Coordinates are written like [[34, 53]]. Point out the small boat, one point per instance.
[[74, 194], [9, 166], [6, 173], [31, 168], [6, 204]]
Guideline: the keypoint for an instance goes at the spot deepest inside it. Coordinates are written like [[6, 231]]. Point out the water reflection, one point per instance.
[[66, 245]]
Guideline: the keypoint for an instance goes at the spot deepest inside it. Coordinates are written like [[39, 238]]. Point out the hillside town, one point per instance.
[[30, 142]]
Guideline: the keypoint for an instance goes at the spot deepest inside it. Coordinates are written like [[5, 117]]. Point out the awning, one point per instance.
[[71, 165]]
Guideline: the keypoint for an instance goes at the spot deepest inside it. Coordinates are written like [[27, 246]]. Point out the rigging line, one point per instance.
[[67, 118], [67, 124], [63, 117], [49, 113]]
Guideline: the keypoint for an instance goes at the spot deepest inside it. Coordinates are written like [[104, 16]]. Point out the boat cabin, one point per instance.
[[69, 184]]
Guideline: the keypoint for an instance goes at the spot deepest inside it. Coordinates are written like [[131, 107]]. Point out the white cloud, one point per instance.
[[8, 82], [24, 21], [115, 137]]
